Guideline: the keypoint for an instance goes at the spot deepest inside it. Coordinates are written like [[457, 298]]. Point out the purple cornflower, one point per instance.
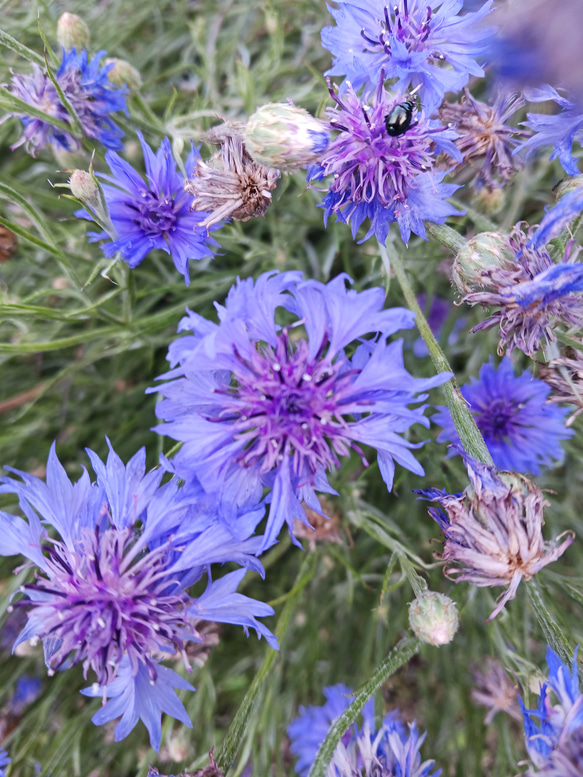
[[521, 430], [493, 530], [559, 130], [411, 42], [556, 219], [87, 88], [111, 581], [365, 750], [256, 404], [383, 177], [554, 731], [154, 213], [485, 139], [533, 294]]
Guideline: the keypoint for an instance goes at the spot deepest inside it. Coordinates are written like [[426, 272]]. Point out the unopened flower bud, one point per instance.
[[490, 201], [285, 136], [122, 73], [486, 251], [8, 244], [72, 32], [84, 186], [433, 618], [570, 184]]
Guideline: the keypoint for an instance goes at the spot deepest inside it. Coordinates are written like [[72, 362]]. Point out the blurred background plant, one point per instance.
[[82, 338]]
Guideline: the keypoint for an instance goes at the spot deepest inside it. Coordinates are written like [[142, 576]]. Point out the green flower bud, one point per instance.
[[72, 32], [285, 136], [568, 185], [490, 201], [85, 188], [433, 618], [123, 73], [486, 251]]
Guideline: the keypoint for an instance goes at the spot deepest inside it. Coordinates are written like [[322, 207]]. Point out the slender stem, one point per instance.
[[242, 720], [396, 658], [554, 635], [468, 432], [445, 235]]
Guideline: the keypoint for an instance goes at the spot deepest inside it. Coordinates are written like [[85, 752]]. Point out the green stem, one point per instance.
[[554, 635], [241, 721], [396, 658], [469, 434], [445, 235]]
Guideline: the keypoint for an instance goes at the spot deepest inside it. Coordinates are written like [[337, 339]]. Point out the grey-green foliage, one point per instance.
[[81, 341]]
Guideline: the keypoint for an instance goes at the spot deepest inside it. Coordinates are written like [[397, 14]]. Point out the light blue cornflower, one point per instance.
[[558, 130], [413, 43], [384, 177], [4, 761], [365, 750], [112, 580], [256, 404], [152, 213], [86, 86], [522, 432], [554, 731]]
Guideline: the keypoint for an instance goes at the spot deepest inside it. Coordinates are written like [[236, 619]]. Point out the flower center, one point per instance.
[[284, 403], [103, 600], [155, 214], [497, 420]]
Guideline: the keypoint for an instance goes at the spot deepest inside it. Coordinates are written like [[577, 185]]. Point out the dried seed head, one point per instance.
[[324, 526], [494, 530], [231, 185], [8, 244]]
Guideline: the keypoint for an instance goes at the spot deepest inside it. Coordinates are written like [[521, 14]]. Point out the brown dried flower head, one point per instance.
[[495, 690], [324, 526], [231, 185], [493, 530], [8, 244]]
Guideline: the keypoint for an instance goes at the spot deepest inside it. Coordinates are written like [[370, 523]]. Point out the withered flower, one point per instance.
[[493, 529], [495, 690], [231, 185], [8, 244], [324, 526], [484, 135], [565, 377], [209, 771]]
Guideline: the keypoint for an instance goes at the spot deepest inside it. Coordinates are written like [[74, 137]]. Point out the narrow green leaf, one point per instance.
[[10, 102], [20, 49], [395, 660]]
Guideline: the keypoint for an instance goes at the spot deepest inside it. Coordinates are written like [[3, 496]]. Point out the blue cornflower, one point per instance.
[[364, 751], [383, 177], [556, 219], [493, 530], [414, 43], [154, 213], [522, 432], [87, 88], [111, 580], [559, 130], [533, 294], [258, 405], [554, 732], [4, 761]]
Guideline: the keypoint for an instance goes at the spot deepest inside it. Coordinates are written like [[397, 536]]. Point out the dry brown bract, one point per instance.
[[231, 185]]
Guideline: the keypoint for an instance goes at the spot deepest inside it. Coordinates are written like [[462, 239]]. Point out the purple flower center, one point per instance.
[[411, 30], [155, 214], [105, 598], [283, 402], [497, 421]]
